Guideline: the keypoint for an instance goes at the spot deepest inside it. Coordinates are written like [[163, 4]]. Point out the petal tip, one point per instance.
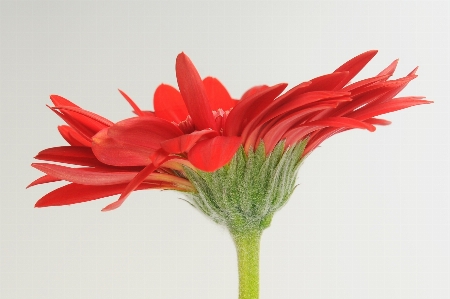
[[109, 207], [112, 206], [39, 204]]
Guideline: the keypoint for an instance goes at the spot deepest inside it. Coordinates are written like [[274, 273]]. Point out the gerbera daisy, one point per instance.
[[235, 159]]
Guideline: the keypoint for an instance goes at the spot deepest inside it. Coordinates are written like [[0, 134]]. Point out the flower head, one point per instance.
[[199, 135]]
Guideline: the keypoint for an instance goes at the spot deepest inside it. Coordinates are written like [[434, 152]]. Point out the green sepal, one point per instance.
[[244, 194]]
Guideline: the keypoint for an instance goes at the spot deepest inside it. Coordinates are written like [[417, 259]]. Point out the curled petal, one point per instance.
[[147, 132], [184, 143], [112, 152], [169, 104], [132, 185], [194, 93], [159, 157], [211, 154]]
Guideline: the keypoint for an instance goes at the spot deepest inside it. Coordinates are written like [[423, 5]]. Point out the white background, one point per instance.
[[370, 218]]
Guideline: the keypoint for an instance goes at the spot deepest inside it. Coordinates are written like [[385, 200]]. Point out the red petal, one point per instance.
[[378, 121], [194, 94], [148, 113], [328, 82], [147, 132], [176, 182], [249, 108], [252, 91], [85, 176], [135, 107], [113, 152], [60, 101], [321, 136], [296, 134], [159, 157], [73, 137], [256, 121], [80, 128], [91, 119], [211, 154], [386, 107], [74, 193], [391, 88], [344, 122], [78, 155], [358, 101], [364, 83], [390, 69], [323, 83], [354, 66], [217, 94], [366, 97], [305, 99], [43, 180], [169, 104], [277, 130], [413, 72], [184, 143], [132, 185]]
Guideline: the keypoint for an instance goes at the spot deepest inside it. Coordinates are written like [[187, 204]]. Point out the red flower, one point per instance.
[[202, 127]]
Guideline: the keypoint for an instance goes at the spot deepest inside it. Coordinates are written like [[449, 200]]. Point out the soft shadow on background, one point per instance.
[[369, 219]]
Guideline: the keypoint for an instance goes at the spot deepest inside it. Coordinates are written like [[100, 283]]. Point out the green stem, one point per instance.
[[247, 245]]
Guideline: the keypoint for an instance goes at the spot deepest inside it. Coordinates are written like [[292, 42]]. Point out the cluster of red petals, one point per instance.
[[201, 126]]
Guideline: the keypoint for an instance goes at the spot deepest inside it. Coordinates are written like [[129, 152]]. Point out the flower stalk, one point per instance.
[[247, 247]]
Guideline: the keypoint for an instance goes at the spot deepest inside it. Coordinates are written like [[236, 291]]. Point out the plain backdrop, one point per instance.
[[369, 219]]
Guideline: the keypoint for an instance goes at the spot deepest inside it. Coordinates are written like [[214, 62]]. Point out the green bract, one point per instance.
[[245, 194]]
